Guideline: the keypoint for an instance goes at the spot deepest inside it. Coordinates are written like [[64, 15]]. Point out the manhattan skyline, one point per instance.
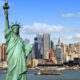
[[59, 18]]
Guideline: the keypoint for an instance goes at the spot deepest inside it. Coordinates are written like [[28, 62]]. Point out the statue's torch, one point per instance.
[[6, 7]]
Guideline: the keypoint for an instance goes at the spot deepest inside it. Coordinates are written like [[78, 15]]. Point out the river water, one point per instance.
[[66, 75]]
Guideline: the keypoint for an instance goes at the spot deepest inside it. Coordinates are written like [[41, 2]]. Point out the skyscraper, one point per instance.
[[46, 46], [42, 46], [59, 53], [52, 44], [37, 49], [73, 47]]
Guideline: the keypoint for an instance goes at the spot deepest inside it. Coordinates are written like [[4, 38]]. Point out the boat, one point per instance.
[[46, 73]]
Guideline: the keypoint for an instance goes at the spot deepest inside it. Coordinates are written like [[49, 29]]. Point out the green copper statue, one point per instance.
[[16, 50]]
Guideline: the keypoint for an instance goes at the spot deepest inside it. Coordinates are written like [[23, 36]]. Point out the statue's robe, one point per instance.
[[16, 57]]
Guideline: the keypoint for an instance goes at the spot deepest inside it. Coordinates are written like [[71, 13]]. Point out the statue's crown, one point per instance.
[[16, 24]]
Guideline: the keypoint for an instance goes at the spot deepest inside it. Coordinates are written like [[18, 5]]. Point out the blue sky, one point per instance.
[[60, 18]]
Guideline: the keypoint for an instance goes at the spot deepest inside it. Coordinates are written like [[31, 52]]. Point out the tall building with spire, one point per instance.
[[59, 53], [59, 42]]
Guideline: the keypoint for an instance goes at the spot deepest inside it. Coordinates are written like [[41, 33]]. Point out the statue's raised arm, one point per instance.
[[6, 7]]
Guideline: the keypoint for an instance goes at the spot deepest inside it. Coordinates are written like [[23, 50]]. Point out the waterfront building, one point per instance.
[[0, 51], [3, 55], [73, 55], [67, 58], [32, 63], [54, 60], [35, 62], [42, 61], [78, 49]]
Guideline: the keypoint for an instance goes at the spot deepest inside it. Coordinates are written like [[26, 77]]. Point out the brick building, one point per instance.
[[3, 55]]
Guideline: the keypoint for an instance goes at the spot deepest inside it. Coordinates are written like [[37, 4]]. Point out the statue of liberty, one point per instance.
[[16, 50]]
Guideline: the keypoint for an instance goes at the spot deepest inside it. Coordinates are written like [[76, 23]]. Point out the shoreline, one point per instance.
[[49, 68], [3, 65], [57, 68]]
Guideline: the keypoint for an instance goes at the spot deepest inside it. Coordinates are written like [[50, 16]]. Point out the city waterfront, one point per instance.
[[66, 75]]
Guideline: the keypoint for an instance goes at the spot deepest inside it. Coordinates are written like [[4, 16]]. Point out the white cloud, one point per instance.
[[77, 36], [69, 38], [71, 15], [41, 28]]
